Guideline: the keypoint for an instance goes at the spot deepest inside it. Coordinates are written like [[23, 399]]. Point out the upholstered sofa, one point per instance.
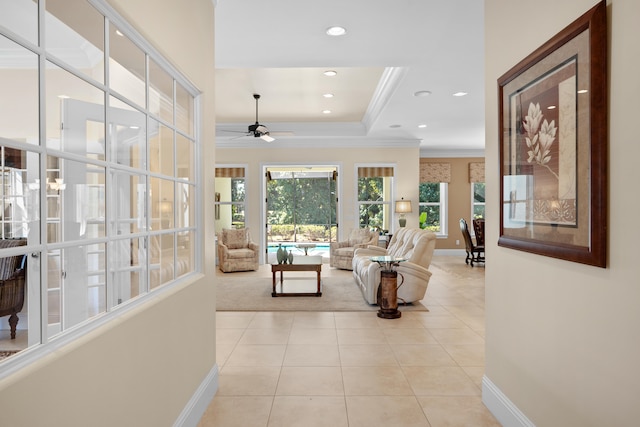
[[414, 244], [341, 253], [236, 251]]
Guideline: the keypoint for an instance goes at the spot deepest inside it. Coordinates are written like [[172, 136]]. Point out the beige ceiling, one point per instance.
[[294, 94], [278, 49]]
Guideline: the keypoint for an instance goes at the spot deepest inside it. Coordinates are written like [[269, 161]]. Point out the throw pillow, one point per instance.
[[235, 238], [358, 236]]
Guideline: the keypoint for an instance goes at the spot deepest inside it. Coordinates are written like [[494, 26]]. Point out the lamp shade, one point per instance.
[[403, 206], [166, 207]]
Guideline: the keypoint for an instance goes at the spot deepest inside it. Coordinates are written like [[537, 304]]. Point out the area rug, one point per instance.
[[6, 353], [236, 293]]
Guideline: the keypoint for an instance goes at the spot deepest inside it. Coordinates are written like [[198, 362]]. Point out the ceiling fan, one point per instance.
[[257, 130]]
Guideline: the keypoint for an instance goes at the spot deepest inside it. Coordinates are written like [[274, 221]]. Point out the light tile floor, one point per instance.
[[355, 369]]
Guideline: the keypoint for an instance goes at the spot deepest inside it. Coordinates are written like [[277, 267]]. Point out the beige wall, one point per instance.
[[142, 368], [407, 163], [563, 339], [459, 200], [406, 160]]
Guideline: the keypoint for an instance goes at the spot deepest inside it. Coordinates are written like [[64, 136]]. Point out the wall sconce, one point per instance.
[[403, 207]]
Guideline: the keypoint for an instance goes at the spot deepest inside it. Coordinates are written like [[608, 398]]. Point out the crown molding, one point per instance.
[[389, 82], [452, 152], [315, 142]]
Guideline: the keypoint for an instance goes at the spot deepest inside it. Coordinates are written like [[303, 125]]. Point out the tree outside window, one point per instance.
[[432, 215], [477, 201], [371, 206], [301, 206]]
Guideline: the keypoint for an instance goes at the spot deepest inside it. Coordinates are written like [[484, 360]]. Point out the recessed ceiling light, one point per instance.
[[336, 31], [326, 111], [119, 33], [395, 126], [583, 91], [422, 126], [422, 93], [330, 73], [551, 107], [460, 94], [328, 95], [64, 96]]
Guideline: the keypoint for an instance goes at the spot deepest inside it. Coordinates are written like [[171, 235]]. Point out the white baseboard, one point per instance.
[[501, 407], [199, 402], [451, 252]]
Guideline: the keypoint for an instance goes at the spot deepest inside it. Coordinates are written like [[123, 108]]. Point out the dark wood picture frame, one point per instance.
[[553, 146]]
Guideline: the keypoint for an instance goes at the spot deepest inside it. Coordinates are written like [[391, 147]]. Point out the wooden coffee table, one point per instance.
[[301, 263]]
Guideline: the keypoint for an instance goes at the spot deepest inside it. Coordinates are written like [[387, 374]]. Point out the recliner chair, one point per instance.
[[413, 244]]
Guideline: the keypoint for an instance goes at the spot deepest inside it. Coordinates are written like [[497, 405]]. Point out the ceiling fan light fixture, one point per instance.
[[336, 31]]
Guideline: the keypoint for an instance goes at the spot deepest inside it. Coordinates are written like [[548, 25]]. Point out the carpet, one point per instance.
[[237, 293]]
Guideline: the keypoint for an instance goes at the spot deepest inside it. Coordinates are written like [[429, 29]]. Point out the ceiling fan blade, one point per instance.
[[266, 137], [282, 133], [238, 137], [234, 131]]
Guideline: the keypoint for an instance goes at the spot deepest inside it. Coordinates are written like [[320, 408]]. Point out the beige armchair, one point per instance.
[[341, 253], [236, 251]]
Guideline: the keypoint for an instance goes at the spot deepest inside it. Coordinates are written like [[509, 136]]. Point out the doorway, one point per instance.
[[301, 205]]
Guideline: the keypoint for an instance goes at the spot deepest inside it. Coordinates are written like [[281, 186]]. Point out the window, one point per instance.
[[229, 198], [477, 200], [374, 197], [476, 178], [111, 187], [434, 180], [432, 207]]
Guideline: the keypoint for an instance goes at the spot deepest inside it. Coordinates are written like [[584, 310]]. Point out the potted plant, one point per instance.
[[423, 220]]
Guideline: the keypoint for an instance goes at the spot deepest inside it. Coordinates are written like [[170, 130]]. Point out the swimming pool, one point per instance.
[[272, 248]]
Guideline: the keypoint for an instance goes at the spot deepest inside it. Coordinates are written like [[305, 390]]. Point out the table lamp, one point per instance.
[[402, 207]]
